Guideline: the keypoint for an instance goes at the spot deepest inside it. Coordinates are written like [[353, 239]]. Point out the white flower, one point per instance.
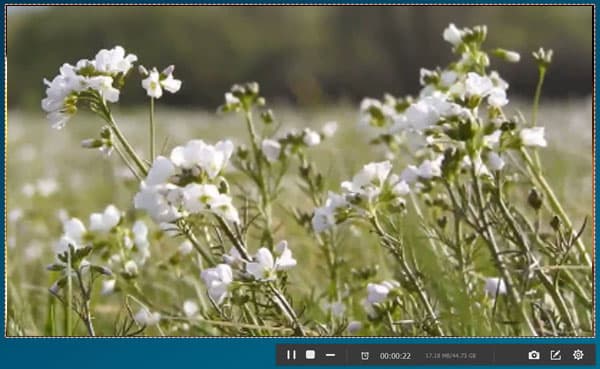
[[28, 190], [377, 292], [494, 287], [161, 202], [114, 61], [162, 169], [103, 84], [212, 159], [73, 232], [131, 268], [230, 99], [233, 258], [311, 138], [427, 170], [15, 215], [495, 161], [198, 197], [284, 260], [108, 287], [480, 168], [492, 140], [401, 188], [477, 85], [447, 78], [190, 308], [146, 318], [324, 217], [46, 186], [155, 82], [217, 281], [533, 137], [140, 234], [497, 97], [104, 222], [452, 34], [271, 149], [169, 83], [329, 129], [369, 180], [222, 205], [185, 248], [152, 84], [263, 267]]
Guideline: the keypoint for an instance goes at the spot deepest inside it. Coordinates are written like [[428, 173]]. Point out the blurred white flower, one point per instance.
[[329, 129], [217, 281], [140, 234], [15, 215], [106, 221], [233, 258], [271, 149], [185, 248], [477, 85], [160, 172], [131, 268], [377, 292], [108, 286], [324, 217], [533, 137], [146, 318], [452, 34], [230, 99], [46, 186], [190, 308], [310, 137], [494, 287], [284, 260], [495, 161], [73, 232], [28, 190], [369, 180]]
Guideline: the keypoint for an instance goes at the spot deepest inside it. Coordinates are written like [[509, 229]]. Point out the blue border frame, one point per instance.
[[103, 353]]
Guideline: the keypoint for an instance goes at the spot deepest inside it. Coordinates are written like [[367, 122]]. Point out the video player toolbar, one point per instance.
[[434, 354]]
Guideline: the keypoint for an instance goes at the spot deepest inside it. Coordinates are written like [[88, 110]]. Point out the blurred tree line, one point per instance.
[[304, 55]]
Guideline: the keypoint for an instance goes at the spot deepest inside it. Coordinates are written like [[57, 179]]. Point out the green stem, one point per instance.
[[152, 130], [68, 312], [536, 105], [411, 276], [555, 204], [490, 239]]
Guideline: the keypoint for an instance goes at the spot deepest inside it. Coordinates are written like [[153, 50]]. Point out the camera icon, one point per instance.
[[533, 355]]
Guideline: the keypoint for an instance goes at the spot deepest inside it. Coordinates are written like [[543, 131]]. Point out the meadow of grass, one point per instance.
[[87, 182]]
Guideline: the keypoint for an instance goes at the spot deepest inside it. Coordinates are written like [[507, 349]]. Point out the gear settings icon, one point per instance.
[[578, 355]]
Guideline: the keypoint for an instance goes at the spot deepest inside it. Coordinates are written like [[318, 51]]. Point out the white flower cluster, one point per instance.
[[376, 294], [274, 148], [97, 75], [133, 251], [262, 267], [187, 183], [371, 184], [447, 113]]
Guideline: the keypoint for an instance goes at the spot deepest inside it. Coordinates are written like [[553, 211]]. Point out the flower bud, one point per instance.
[[535, 199], [253, 88], [555, 223], [143, 71], [91, 143], [507, 55], [223, 186], [168, 70], [543, 57], [267, 116]]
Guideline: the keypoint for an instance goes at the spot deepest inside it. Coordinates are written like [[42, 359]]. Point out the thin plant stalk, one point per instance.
[[152, 131]]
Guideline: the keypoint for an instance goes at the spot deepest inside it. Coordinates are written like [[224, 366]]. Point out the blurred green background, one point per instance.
[[302, 55]]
